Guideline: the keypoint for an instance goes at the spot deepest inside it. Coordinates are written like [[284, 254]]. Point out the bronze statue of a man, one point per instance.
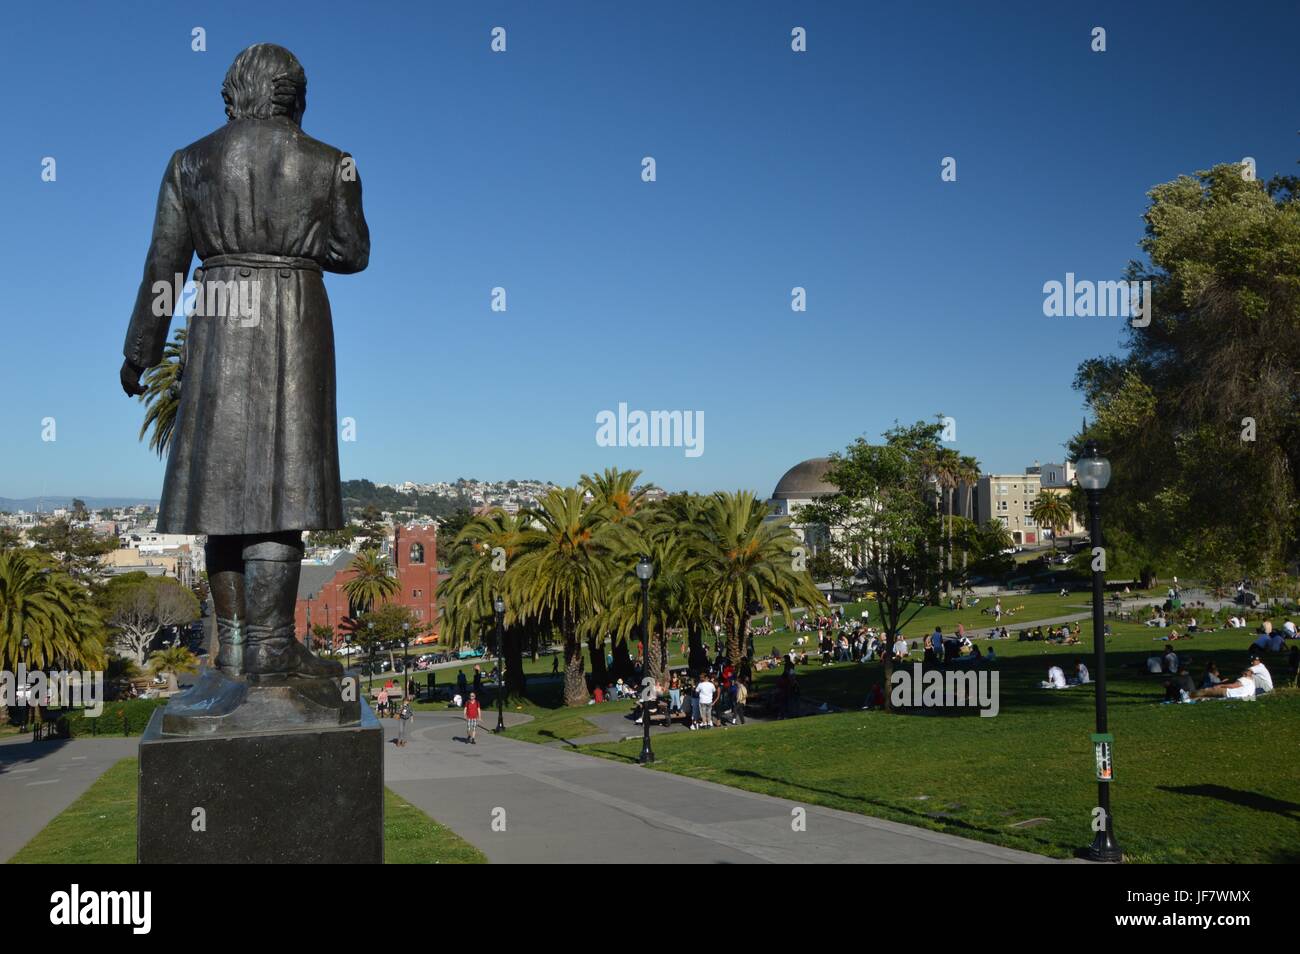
[[254, 454]]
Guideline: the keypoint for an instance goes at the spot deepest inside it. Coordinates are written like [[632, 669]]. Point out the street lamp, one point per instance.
[[1093, 472], [406, 662], [644, 571], [26, 645], [370, 629], [499, 609]]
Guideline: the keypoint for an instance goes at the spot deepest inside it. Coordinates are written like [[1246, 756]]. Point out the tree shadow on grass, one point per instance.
[[1261, 803]]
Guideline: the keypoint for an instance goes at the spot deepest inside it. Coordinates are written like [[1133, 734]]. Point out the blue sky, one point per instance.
[[522, 170]]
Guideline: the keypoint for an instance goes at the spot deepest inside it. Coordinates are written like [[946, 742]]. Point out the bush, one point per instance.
[[118, 718]]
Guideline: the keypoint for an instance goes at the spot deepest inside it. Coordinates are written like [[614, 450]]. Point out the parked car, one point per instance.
[[471, 652]]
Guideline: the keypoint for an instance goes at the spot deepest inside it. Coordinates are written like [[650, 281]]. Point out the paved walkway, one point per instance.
[[39, 780], [563, 807]]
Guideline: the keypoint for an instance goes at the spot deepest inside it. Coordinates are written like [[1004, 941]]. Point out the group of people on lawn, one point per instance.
[[715, 697], [1253, 681]]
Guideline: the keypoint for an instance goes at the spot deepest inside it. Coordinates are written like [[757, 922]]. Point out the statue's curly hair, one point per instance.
[[264, 81]]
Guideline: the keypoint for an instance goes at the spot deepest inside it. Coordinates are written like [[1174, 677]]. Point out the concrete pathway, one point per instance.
[[551, 805], [40, 779]]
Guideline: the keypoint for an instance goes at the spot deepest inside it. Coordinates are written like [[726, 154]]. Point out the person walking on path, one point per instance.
[[471, 719], [403, 722]]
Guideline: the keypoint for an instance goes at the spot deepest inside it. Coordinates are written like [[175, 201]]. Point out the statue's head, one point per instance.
[[265, 81]]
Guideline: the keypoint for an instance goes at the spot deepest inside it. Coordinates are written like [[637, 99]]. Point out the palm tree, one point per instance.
[[947, 469], [466, 597], [561, 571], [747, 561], [162, 395], [1052, 511], [673, 590], [172, 662], [615, 489], [968, 474], [49, 611], [372, 581]]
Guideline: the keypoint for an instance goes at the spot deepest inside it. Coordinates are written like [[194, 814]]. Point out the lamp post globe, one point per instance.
[[1093, 473]]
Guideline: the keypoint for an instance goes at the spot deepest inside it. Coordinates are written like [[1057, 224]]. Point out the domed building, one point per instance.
[[801, 485]]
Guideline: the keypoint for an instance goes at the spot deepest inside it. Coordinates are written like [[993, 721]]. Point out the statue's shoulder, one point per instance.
[[323, 149]]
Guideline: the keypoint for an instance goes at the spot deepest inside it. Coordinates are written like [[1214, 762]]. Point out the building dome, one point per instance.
[[805, 481]]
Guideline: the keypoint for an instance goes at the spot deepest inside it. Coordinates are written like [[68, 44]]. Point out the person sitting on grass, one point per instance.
[[1181, 683], [1243, 687], [1055, 678], [990, 656], [1263, 678], [1170, 661], [1211, 677], [1081, 675]]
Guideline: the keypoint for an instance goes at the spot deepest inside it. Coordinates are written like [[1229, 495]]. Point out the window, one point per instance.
[[1029, 521], [417, 552], [1002, 506], [416, 594]]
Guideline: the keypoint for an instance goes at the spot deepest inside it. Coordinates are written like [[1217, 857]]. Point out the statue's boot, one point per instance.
[[271, 569], [225, 566]]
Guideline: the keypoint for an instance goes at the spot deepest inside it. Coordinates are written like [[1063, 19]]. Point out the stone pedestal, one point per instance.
[[311, 795]]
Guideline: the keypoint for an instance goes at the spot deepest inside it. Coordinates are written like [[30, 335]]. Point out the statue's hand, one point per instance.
[[130, 376]]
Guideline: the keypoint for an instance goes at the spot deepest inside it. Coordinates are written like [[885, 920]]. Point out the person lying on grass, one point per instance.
[[1243, 687]]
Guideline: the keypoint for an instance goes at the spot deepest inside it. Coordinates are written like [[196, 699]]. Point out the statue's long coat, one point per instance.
[[255, 446]]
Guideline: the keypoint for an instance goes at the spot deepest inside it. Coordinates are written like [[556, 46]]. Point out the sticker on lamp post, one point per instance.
[[1101, 742]]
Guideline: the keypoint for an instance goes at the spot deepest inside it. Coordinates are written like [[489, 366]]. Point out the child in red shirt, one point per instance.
[[471, 718]]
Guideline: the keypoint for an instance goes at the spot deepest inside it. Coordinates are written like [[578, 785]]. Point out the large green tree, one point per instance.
[[1200, 415]]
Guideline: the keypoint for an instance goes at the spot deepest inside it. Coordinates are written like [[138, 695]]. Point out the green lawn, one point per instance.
[[99, 828], [1214, 781]]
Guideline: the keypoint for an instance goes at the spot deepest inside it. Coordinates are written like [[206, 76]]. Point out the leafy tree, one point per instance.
[[171, 662], [51, 612], [141, 606], [883, 519], [1200, 416], [322, 635], [77, 550]]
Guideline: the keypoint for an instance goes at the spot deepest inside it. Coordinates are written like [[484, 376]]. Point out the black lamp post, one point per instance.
[[644, 571], [26, 645], [370, 629], [1094, 474], [499, 610], [347, 641], [406, 661]]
